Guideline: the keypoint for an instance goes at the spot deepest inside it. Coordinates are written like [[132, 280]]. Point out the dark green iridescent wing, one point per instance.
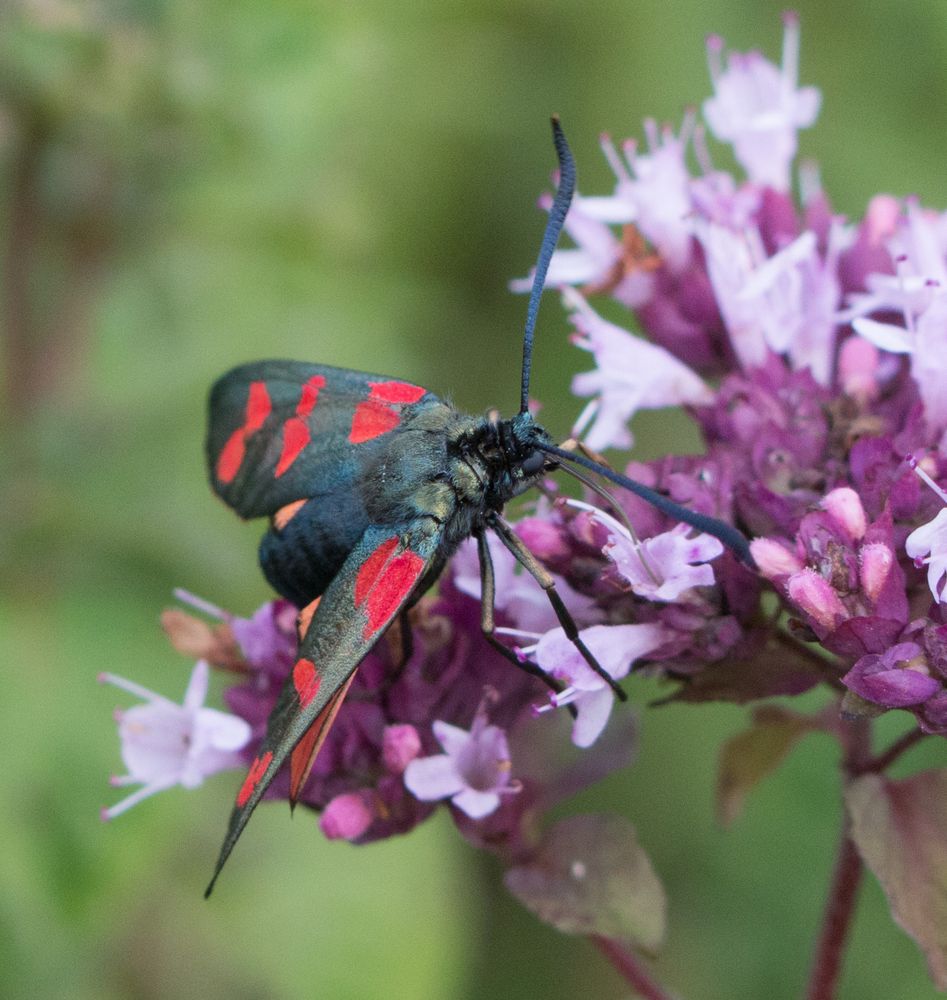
[[276, 428], [376, 581]]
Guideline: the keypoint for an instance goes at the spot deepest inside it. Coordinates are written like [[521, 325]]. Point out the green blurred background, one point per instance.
[[189, 185]]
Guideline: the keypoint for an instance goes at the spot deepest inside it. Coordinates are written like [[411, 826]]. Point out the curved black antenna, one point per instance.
[[557, 216], [727, 534]]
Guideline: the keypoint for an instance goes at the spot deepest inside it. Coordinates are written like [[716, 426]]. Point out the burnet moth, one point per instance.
[[370, 484]]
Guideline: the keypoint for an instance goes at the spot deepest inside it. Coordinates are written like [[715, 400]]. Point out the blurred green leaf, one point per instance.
[[749, 757], [590, 876], [900, 830]]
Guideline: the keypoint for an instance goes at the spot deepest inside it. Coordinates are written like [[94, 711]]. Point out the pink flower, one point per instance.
[[660, 568], [473, 772], [631, 374], [615, 647], [166, 744], [817, 598], [758, 108], [927, 545], [598, 257], [731, 255], [660, 190], [785, 303], [919, 293], [518, 595]]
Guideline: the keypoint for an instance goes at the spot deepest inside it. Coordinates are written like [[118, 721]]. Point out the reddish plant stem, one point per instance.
[[843, 892], [826, 669], [631, 970], [884, 760], [836, 922]]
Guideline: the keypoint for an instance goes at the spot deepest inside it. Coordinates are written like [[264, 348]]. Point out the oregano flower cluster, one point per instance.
[[811, 353]]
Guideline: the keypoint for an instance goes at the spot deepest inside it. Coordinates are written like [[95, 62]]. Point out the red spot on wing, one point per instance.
[[372, 419], [395, 392], [295, 437], [256, 772], [310, 395], [296, 434], [307, 681], [396, 581], [371, 569], [233, 452], [258, 407], [285, 514], [231, 456], [305, 617], [379, 414]]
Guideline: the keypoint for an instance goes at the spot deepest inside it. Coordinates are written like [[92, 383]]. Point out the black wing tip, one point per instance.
[[218, 868], [210, 885]]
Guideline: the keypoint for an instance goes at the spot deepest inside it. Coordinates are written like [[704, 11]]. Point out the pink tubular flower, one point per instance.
[[927, 545], [919, 293], [631, 374], [758, 108], [616, 647], [845, 507], [816, 597], [473, 772], [663, 567], [660, 190], [518, 595], [166, 744], [773, 559], [597, 251], [785, 303]]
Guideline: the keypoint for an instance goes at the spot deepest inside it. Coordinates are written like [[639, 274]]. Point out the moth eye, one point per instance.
[[533, 463]]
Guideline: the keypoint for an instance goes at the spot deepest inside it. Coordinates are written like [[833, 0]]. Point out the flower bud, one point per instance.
[[347, 816], [845, 508], [875, 562], [399, 746], [816, 598], [773, 559]]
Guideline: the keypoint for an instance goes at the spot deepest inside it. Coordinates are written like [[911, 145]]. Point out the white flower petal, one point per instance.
[[887, 336], [593, 709], [431, 778], [452, 738], [197, 686], [221, 730], [476, 804]]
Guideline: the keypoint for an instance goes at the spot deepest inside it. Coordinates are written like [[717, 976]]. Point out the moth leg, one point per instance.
[[400, 649], [405, 650], [399, 640], [539, 573], [407, 641], [487, 611]]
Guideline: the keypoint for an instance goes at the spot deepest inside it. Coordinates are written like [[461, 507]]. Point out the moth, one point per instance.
[[370, 484]]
